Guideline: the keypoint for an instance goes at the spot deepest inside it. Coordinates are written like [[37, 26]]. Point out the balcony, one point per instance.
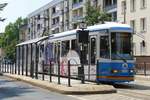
[[77, 5], [111, 8], [77, 18], [66, 9], [56, 14], [55, 25]]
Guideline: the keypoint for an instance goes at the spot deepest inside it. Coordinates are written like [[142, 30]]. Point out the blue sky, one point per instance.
[[17, 8]]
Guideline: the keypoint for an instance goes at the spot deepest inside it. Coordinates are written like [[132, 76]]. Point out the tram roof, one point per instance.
[[32, 41], [111, 26], [108, 25]]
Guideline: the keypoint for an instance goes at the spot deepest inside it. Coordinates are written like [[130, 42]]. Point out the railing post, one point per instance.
[[32, 70], [58, 72], [19, 57], [27, 60], [36, 61], [16, 54], [15, 67], [10, 68], [31, 65], [22, 59], [145, 68], [5, 66], [69, 82], [43, 70], [50, 71], [0, 67], [97, 72]]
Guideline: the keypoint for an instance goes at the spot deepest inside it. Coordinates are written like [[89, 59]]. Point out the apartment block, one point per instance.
[[62, 15], [136, 14], [110, 6], [47, 19]]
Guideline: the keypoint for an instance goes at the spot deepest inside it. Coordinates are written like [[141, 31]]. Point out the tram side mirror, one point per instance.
[[83, 36]]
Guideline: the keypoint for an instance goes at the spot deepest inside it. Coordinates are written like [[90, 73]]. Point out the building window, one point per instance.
[[108, 2], [132, 5], [114, 16], [143, 4], [39, 17], [75, 26], [53, 10], [142, 48], [57, 30], [132, 24], [74, 1], [114, 1], [95, 3], [80, 0], [38, 26], [143, 24], [57, 20]]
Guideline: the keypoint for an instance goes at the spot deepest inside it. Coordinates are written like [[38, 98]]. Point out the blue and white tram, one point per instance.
[[109, 54]]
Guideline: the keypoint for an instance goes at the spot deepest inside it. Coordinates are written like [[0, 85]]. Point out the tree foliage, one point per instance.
[[10, 37], [94, 15]]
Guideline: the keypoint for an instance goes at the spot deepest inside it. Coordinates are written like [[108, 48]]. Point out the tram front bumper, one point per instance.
[[115, 78]]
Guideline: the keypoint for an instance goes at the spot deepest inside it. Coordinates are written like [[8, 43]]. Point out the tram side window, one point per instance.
[[65, 47], [104, 47], [56, 52], [93, 50], [74, 46], [41, 50]]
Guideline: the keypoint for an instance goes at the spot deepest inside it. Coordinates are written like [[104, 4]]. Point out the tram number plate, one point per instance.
[[124, 71]]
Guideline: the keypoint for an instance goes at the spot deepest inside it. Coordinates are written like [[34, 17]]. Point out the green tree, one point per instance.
[[10, 37], [94, 15], [2, 6]]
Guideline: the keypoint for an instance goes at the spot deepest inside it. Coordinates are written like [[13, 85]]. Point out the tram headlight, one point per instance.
[[131, 71], [115, 71]]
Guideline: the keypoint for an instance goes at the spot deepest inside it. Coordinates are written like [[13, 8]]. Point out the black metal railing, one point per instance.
[[142, 68]]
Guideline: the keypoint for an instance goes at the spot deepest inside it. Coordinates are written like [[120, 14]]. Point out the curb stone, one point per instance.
[[64, 89]]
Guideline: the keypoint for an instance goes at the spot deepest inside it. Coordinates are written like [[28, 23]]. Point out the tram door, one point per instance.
[[92, 57], [92, 50]]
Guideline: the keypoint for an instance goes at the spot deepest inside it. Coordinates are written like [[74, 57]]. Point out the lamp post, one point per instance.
[[82, 36], [124, 8]]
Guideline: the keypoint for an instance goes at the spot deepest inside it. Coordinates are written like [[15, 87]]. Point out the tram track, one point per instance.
[[133, 94]]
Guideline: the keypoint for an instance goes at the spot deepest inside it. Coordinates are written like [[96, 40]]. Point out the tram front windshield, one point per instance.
[[121, 48]]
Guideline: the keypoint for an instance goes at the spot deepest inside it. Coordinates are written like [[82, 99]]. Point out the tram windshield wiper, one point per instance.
[[122, 58]]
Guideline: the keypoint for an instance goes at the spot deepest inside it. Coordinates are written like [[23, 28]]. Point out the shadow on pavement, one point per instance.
[[131, 86], [9, 89]]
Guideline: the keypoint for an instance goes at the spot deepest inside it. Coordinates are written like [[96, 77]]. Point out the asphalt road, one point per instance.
[[137, 90], [16, 90]]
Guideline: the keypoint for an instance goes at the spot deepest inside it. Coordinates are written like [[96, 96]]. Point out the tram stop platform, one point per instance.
[[76, 86]]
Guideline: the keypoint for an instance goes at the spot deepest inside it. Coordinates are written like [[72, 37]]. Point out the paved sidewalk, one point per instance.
[[142, 77], [76, 86]]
